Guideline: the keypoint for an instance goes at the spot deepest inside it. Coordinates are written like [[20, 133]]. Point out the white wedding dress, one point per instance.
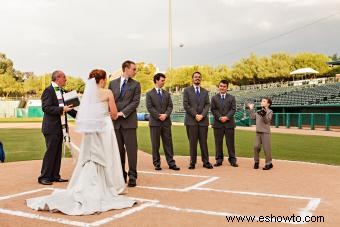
[[97, 180]]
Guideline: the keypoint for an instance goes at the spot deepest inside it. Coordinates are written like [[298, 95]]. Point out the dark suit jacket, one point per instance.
[[155, 107], [194, 105], [127, 103], [219, 109], [51, 122]]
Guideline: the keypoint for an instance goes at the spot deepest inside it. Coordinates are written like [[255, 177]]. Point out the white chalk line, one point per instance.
[[145, 203], [200, 184], [173, 174], [24, 193], [311, 206], [257, 194], [123, 214], [42, 218]]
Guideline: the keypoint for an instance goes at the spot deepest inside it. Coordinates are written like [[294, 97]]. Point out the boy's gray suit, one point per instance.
[[263, 135]]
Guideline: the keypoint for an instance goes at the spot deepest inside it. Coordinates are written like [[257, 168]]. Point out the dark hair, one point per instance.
[[158, 76], [127, 64], [224, 82], [268, 100], [192, 76], [98, 74], [55, 75]]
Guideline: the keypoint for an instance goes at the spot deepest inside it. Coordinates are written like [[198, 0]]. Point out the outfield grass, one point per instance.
[[23, 144], [29, 144], [319, 149], [20, 120]]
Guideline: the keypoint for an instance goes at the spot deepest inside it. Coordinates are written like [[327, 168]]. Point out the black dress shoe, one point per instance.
[[132, 182], [45, 182], [191, 166], [60, 180], [234, 164], [174, 167], [217, 164], [208, 166], [268, 167], [256, 165], [158, 168]]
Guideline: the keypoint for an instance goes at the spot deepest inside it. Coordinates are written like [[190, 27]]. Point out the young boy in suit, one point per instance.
[[263, 119]]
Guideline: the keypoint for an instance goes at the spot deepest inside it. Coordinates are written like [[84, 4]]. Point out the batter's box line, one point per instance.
[[145, 203], [311, 206], [187, 189]]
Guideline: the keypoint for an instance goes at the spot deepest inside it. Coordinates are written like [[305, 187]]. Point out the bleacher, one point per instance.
[[288, 95]]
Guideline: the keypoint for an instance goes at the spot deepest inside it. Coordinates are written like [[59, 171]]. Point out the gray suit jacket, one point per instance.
[[127, 103], [221, 109], [194, 105], [155, 107]]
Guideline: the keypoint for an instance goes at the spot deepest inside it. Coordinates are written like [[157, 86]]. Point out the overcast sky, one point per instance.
[[79, 35]]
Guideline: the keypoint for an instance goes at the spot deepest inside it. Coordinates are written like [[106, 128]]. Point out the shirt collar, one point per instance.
[[122, 78], [54, 84], [199, 87]]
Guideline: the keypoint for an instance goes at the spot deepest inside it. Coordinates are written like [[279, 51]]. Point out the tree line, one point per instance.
[[250, 70]]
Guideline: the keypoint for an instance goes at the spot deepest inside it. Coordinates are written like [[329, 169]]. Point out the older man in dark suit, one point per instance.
[[54, 122], [127, 93], [159, 105], [196, 104], [223, 107]]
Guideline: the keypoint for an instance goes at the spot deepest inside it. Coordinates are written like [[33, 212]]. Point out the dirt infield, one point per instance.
[[197, 197]]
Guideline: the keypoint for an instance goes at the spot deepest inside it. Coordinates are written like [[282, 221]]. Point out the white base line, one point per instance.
[[200, 184], [123, 214], [311, 206], [161, 189], [173, 174], [257, 194], [217, 213], [24, 193], [43, 218]]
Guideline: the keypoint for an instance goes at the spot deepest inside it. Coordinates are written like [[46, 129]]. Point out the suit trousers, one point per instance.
[[229, 134], [127, 143], [164, 132], [263, 139], [197, 133], [52, 159]]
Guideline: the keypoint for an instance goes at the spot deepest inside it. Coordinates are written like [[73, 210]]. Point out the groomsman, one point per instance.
[[223, 107], [196, 104], [159, 105]]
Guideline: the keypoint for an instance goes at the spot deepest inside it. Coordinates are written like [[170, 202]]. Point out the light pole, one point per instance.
[[170, 34]]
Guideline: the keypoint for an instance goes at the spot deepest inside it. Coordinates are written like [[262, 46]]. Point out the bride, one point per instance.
[[97, 180]]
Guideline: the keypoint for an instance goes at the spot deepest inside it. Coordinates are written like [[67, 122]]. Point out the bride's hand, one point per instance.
[[113, 116]]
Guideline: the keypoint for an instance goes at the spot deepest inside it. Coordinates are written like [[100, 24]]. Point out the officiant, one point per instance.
[[54, 128]]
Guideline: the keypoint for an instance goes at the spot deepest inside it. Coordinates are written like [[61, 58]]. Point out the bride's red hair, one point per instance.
[[98, 74]]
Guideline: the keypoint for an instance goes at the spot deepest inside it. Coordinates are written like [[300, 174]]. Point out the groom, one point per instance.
[[127, 92]]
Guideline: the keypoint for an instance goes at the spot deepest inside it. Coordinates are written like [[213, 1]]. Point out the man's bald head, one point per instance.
[[59, 78]]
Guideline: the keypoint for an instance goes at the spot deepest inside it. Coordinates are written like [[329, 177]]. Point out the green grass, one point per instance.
[[29, 144], [26, 120], [23, 144], [20, 120], [318, 149]]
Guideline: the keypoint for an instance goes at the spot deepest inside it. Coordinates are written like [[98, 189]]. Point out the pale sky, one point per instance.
[[79, 35]]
